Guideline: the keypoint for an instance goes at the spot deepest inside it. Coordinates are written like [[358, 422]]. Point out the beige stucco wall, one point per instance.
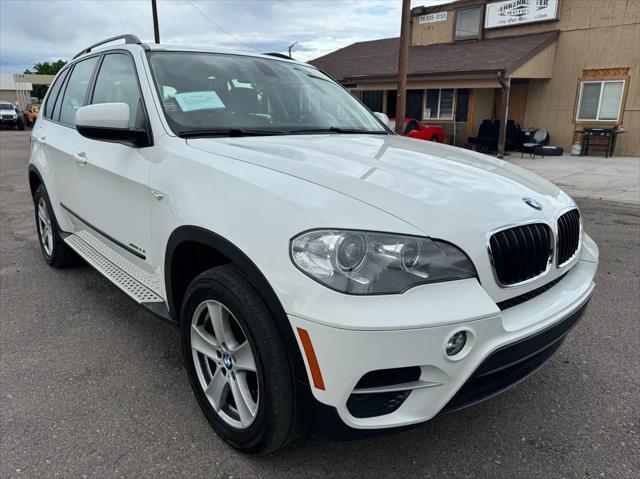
[[482, 107], [436, 32], [593, 35], [551, 103]]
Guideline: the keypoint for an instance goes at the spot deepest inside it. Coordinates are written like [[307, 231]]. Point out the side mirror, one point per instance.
[[110, 122], [383, 118]]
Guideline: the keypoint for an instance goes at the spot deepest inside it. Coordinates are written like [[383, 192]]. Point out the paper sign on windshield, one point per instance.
[[199, 100]]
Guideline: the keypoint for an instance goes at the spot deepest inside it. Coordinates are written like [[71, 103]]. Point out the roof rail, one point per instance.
[[279, 55], [128, 38]]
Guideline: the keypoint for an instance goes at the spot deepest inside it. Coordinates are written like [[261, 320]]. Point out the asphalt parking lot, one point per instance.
[[93, 386]]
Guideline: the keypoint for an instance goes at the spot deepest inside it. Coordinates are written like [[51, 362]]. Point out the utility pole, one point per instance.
[[291, 47], [156, 29], [403, 60]]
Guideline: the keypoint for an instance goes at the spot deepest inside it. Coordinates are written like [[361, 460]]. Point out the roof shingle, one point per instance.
[[379, 58]]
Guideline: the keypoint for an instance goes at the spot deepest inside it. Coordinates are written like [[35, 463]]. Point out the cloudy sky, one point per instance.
[[46, 30]]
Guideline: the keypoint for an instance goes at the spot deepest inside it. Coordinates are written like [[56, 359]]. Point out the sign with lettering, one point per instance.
[[518, 12], [433, 17]]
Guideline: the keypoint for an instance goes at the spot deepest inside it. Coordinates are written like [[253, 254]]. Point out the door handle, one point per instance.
[[42, 139], [81, 158]]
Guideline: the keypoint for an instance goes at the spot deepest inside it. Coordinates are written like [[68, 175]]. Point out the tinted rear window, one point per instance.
[[53, 93]]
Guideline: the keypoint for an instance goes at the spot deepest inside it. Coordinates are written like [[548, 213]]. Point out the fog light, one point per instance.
[[456, 343]]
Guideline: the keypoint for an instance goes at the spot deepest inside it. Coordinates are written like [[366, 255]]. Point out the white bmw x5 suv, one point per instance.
[[326, 275]]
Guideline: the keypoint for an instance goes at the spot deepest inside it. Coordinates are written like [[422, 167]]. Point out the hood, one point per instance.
[[426, 184]]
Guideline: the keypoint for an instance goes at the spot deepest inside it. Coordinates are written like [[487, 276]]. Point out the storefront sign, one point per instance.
[[433, 17], [517, 12]]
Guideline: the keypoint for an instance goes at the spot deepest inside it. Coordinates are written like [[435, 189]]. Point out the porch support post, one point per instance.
[[503, 114], [403, 61]]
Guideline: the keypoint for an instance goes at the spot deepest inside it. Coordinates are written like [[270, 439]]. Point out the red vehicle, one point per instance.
[[415, 129]]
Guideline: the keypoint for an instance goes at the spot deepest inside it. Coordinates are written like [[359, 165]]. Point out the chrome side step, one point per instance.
[[117, 269]]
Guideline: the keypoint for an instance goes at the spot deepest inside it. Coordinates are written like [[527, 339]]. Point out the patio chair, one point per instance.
[[539, 138]]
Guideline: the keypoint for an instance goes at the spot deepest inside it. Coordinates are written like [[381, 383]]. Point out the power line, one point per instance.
[[218, 26]]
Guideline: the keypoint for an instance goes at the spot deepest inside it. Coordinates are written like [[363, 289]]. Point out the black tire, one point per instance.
[[276, 422], [61, 255], [20, 124], [435, 139]]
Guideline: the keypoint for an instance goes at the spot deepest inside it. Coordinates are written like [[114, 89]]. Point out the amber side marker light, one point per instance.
[[312, 360]]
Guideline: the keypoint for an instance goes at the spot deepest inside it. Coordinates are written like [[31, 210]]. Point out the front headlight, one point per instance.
[[361, 262]]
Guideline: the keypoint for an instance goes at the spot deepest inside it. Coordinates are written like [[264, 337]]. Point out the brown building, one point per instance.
[[562, 65]]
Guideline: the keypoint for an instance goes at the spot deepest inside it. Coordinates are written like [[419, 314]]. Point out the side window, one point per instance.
[[117, 83], [53, 93], [58, 105], [76, 90]]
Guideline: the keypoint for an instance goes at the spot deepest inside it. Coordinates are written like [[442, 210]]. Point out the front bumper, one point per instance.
[[503, 348], [8, 121]]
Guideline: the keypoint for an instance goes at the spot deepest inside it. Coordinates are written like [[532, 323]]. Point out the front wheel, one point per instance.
[[237, 363]]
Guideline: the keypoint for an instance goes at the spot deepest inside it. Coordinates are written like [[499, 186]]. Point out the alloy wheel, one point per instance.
[[225, 364], [44, 226]]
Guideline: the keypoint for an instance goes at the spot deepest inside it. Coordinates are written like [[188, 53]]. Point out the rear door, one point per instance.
[[59, 137]]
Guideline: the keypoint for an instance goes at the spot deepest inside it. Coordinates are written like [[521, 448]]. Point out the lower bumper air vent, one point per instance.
[[383, 391], [377, 404]]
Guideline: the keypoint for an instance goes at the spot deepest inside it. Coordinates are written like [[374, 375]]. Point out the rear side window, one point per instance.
[[117, 83], [53, 93], [76, 90]]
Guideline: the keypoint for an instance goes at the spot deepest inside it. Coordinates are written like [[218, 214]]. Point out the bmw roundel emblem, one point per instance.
[[226, 361], [533, 203]]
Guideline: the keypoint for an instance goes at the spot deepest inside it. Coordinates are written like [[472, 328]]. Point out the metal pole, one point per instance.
[[156, 29], [503, 114], [403, 60]]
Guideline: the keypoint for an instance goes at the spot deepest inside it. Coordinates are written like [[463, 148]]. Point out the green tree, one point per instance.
[[44, 68]]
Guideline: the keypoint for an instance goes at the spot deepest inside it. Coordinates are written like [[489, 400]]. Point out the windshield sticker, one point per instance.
[[199, 100]]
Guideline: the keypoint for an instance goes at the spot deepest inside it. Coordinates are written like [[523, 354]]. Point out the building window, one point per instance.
[[600, 100], [439, 104], [462, 104], [373, 99], [468, 23]]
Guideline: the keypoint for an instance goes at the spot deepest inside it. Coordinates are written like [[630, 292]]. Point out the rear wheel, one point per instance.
[[236, 362], [55, 251]]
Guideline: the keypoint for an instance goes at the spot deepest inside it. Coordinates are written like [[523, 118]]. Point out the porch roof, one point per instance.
[[378, 59]]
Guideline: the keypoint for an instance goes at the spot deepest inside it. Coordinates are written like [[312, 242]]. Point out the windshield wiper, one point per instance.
[[234, 132], [335, 129]]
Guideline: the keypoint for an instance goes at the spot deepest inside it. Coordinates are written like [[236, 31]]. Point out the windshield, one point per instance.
[[4, 106], [208, 94]]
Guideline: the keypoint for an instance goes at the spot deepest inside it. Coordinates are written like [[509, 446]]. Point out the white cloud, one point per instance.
[[41, 30]]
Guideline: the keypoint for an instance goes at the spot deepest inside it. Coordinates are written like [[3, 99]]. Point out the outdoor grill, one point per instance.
[[599, 138]]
